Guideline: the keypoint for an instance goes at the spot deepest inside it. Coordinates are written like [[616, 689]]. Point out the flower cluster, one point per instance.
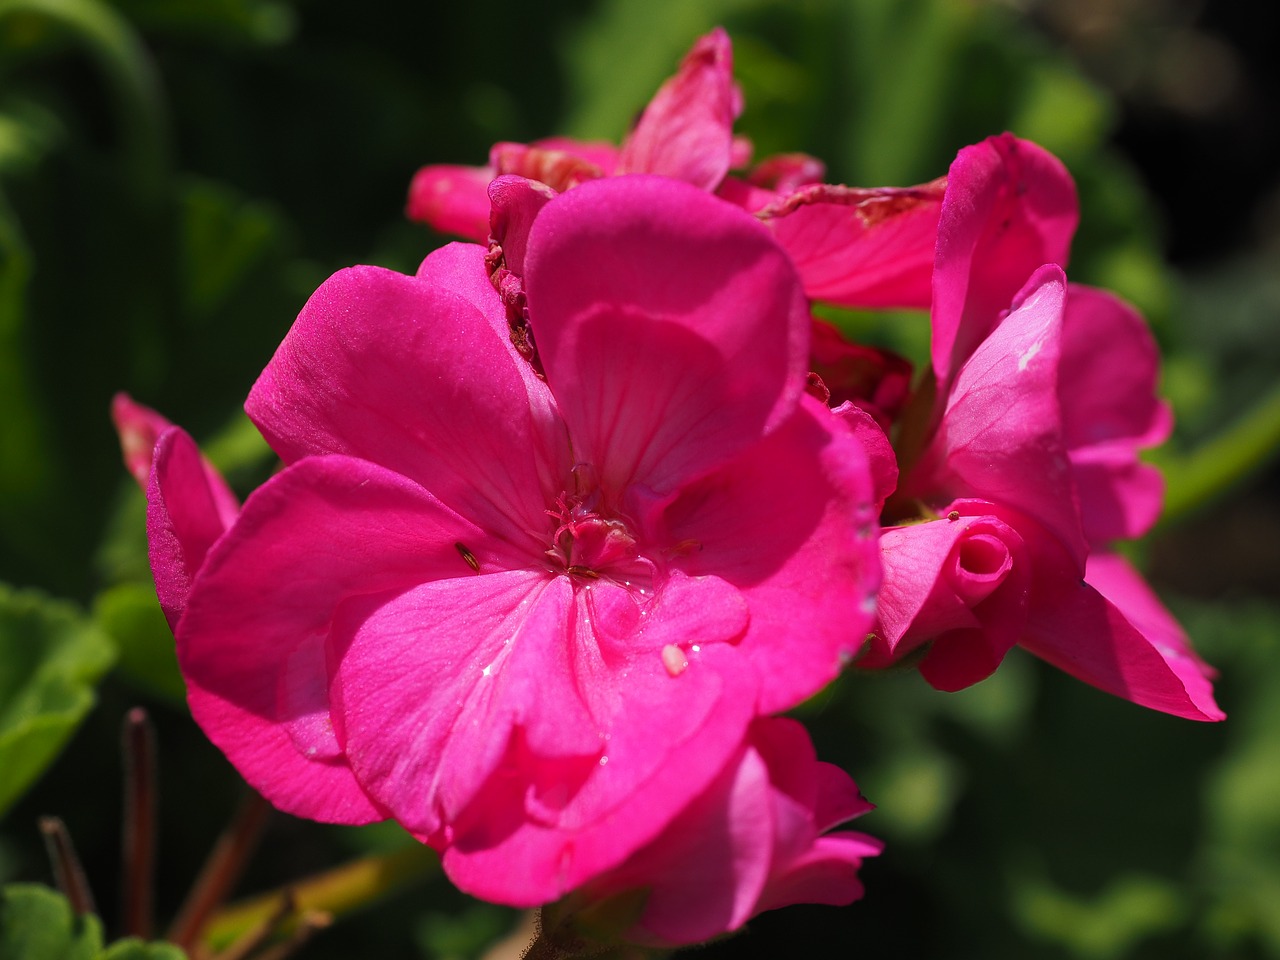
[[567, 518]]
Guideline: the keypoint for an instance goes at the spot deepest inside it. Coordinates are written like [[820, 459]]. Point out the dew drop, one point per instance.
[[603, 761]]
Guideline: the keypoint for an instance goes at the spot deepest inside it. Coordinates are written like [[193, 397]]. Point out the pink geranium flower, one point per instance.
[[756, 839], [533, 619], [1044, 396], [853, 246]]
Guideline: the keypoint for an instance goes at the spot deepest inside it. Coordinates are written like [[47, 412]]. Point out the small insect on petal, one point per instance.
[[468, 556], [674, 660]]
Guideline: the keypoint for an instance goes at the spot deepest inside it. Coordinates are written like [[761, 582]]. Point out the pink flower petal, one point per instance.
[[1120, 497], [666, 740], [708, 869], [1010, 206], [516, 203], [748, 843], [1110, 411], [787, 172], [452, 199], [139, 428], [859, 247], [251, 644], [660, 382], [773, 532], [1137, 653], [434, 682], [1109, 372], [403, 373], [961, 584], [188, 508], [880, 456], [1000, 438], [686, 131], [557, 169]]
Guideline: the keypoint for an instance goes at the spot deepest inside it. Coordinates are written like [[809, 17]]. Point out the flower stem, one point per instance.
[[1207, 472], [221, 870], [68, 874], [334, 892], [139, 840]]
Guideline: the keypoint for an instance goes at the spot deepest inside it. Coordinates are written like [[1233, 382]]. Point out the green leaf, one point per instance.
[[50, 657], [36, 923]]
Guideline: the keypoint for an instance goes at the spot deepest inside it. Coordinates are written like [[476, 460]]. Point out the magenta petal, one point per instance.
[[686, 131], [1129, 647], [1010, 206], [557, 169], [664, 741], [858, 247], [416, 378], [961, 584], [516, 202], [139, 428], [188, 508], [1112, 576], [252, 641], [452, 199], [748, 843], [881, 459], [1109, 372], [661, 381], [434, 682], [1110, 411], [460, 268], [791, 524], [1120, 497], [706, 871], [1000, 438]]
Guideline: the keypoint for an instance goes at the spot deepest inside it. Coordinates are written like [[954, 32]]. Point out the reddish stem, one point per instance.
[[68, 874], [139, 840], [221, 870]]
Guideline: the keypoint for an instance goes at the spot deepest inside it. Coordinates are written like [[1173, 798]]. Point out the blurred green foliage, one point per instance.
[[175, 179], [38, 924]]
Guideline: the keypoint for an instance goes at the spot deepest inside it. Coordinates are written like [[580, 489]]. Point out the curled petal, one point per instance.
[[880, 456], [516, 202], [961, 583], [188, 508]]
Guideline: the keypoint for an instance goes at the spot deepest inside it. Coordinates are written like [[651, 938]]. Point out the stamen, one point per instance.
[[468, 556]]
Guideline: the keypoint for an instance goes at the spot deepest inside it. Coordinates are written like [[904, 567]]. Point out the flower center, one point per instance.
[[589, 545]]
